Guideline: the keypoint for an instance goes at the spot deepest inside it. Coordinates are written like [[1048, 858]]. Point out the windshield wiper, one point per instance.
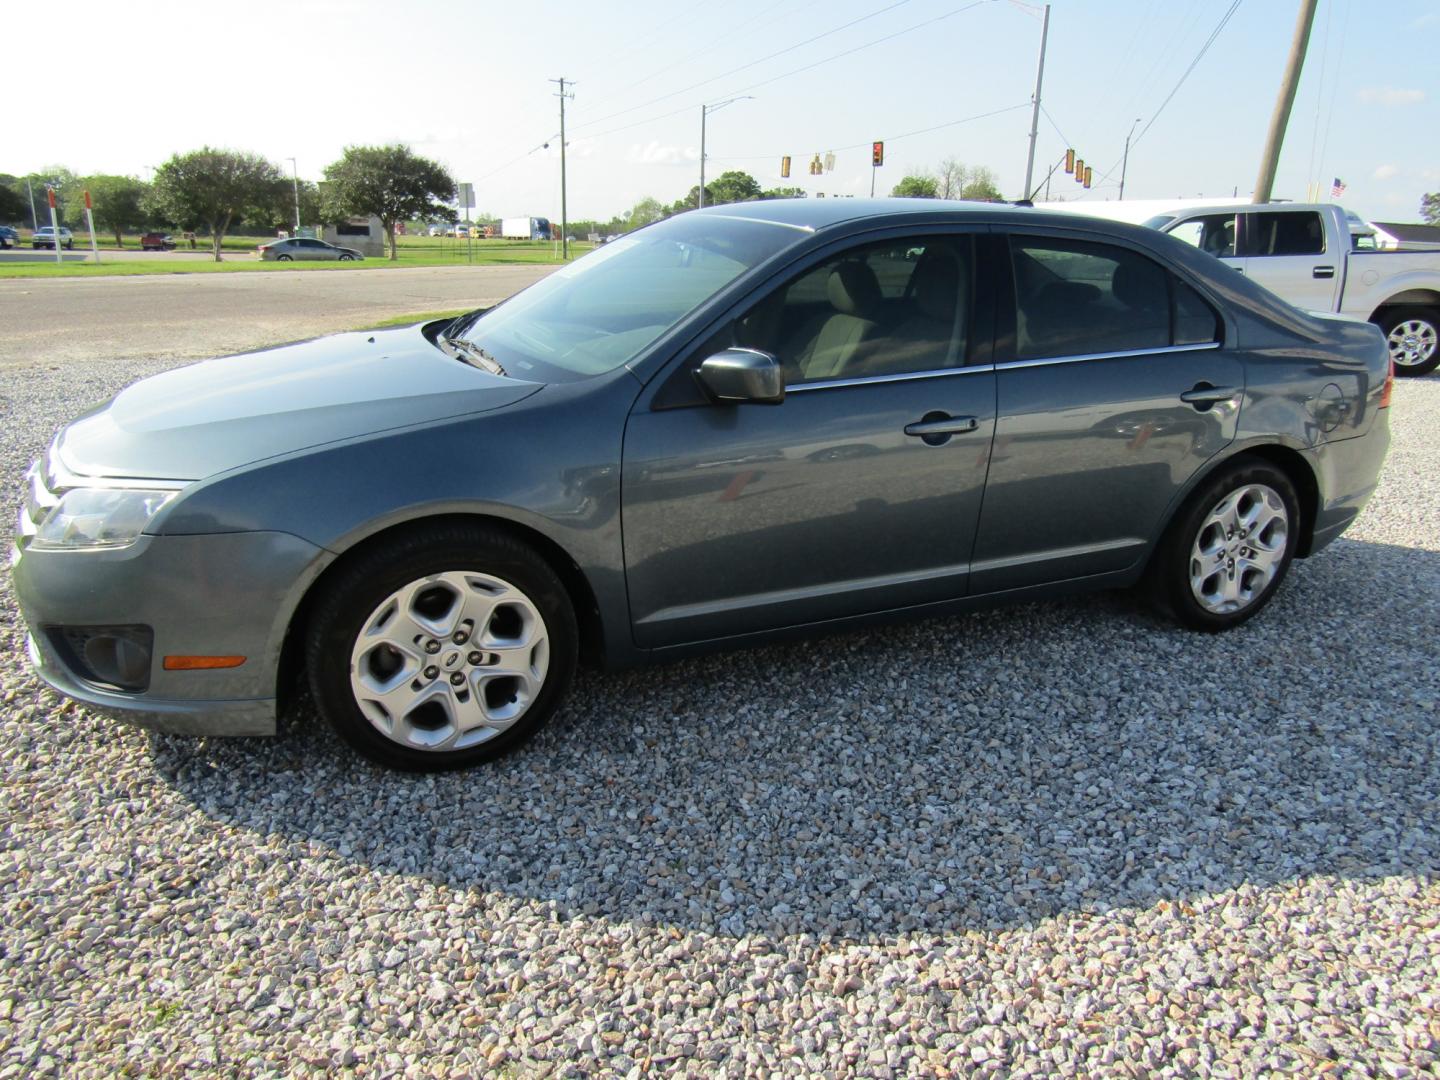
[[474, 354]]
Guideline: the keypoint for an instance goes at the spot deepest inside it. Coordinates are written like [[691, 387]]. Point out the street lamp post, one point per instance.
[[1125, 161], [295, 177], [706, 110]]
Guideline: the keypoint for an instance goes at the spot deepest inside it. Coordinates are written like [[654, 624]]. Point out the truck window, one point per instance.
[[1213, 234], [1298, 232]]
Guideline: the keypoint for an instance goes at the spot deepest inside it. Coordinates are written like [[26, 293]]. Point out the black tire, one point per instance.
[[283, 258], [1168, 580], [347, 258], [1426, 317], [363, 583]]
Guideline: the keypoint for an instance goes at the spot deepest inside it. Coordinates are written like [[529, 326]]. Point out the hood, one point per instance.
[[200, 420]]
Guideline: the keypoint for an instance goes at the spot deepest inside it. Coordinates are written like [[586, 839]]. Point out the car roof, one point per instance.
[[820, 214]]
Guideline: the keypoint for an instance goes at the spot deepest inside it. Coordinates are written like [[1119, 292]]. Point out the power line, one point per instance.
[[742, 67], [799, 70], [887, 138], [1220, 26]]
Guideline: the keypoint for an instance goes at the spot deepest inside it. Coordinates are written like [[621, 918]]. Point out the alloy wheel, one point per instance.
[[1238, 549]]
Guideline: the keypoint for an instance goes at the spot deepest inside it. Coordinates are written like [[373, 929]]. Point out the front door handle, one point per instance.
[[1323, 272], [1203, 395], [935, 428]]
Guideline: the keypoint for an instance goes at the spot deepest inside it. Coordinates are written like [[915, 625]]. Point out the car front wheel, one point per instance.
[[1229, 548], [347, 258], [1413, 336], [283, 258], [448, 647]]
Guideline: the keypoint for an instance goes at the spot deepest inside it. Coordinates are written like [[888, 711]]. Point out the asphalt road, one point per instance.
[[199, 315]]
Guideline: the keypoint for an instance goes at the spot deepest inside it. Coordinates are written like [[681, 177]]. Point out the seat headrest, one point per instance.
[[854, 290], [936, 285], [1137, 286]]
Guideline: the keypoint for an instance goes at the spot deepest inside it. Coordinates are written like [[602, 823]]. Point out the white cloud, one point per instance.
[[657, 153], [1385, 172], [1391, 96]]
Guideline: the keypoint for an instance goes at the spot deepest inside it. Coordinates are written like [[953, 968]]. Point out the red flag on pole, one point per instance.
[[50, 193], [87, 200]]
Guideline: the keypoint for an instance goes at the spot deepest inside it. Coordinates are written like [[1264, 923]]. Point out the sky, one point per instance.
[[468, 84]]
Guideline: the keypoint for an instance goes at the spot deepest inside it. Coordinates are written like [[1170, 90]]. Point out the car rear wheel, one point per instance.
[[449, 647], [1413, 336], [1229, 548]]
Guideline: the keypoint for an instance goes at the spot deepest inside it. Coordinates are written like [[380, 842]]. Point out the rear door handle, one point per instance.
[[951, 425], [1323, 272], [1204, 395]]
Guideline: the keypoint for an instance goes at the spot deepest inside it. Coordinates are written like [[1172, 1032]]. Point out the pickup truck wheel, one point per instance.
[[1413, 335]]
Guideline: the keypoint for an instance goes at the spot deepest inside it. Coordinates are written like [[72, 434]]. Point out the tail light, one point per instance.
[[1389, 387]]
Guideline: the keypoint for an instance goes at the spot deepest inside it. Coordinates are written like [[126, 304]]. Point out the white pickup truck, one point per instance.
[[1303, 252]]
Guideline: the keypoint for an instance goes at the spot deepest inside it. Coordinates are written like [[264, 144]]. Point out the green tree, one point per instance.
[[1430, 208], [917, 186], [783, 193], [14, 207], [211, 188], [277, 209], [956, 180], [118, 203], [729, 187], [643, 213], [390, 182]]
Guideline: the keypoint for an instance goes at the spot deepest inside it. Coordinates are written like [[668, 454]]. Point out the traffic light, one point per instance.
[[877, 154], [785, 166], [1069, 161], [1087, 176], [815, 167], [1079, 170]]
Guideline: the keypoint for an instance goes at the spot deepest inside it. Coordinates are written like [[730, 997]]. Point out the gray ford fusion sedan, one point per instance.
[[750, 420]]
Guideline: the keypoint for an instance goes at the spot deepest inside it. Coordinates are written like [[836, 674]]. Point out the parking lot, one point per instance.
[[1056, 839]]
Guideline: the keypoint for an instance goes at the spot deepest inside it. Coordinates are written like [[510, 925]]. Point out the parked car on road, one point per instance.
[[1308, 253], [435, 230], [154, 241], [44, 237], [9, 237], [807, 414], [300, 247]]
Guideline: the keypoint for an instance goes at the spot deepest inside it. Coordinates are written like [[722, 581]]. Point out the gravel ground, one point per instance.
[[1054, 840]]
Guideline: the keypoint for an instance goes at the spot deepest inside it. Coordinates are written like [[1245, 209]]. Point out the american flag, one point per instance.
[[1337, 188]]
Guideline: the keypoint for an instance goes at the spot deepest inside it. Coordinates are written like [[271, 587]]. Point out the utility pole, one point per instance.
[[1125, 161], [34, 221], [1270, 159], [1035, 109], [706, 110], [295, 176], [564, 219]]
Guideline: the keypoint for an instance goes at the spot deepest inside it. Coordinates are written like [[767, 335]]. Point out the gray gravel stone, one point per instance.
[[1054, 840]]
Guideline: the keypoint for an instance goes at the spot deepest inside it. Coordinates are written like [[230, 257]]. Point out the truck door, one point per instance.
[[1287, 251]]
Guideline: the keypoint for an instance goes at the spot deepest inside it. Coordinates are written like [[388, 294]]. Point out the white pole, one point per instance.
[[90, 221], [54, 225], [701, 201]]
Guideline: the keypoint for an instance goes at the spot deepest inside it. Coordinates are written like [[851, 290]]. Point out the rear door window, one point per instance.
[[1075, 298], [1295, 232]]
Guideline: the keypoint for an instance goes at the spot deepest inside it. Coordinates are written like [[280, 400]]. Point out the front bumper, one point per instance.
[[223, 594]]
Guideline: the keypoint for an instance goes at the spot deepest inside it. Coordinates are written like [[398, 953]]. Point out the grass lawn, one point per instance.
[[411, 320], [412, 251]]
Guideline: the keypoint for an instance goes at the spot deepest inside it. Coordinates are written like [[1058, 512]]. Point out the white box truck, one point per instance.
[[525, 228]]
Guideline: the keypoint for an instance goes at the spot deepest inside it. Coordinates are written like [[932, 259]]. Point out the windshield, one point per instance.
[[603, 310]]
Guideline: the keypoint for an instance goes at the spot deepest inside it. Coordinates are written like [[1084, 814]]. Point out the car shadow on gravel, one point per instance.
[[961, 773]]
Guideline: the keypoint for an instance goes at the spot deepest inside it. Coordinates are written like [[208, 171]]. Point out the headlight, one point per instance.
[[99, 518]]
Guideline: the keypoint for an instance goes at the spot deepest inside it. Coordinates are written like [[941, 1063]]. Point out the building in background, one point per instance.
[[1399, 236]]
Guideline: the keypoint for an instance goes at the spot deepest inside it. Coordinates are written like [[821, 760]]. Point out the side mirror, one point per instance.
[[736, 375]]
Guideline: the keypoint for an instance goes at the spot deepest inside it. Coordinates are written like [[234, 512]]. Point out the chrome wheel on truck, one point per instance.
[[1413, 337]]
